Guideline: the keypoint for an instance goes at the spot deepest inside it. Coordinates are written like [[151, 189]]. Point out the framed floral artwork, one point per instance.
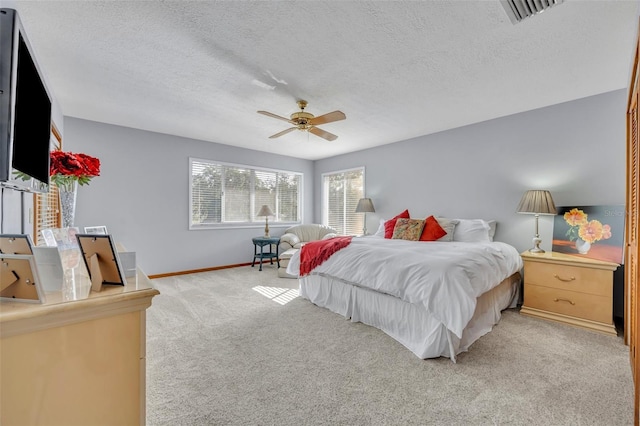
[[596, 232]]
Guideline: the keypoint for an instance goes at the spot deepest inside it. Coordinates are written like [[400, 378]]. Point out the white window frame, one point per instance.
[[256, 222], [325, 197]]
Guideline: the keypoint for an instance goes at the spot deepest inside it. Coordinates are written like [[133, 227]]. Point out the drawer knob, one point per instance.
[[563, 300], [564, 279]]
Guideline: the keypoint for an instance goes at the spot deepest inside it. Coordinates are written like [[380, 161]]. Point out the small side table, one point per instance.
[[262, 242]]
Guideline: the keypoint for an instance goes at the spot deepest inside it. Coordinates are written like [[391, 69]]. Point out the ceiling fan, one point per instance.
[[307, 122]]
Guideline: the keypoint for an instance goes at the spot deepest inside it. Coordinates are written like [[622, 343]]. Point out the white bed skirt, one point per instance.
[[410, 324]]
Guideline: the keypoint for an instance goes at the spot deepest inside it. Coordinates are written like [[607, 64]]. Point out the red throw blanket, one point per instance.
[[312, 254]]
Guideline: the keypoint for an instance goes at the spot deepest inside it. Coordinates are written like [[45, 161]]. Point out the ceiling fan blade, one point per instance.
[[323, 134], [328, 118], [269, 114], [284, 132]]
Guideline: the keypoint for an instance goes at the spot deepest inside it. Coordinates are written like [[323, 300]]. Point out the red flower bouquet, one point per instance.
[[67, 167]]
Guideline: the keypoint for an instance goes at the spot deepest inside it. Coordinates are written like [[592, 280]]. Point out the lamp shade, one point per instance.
[[537, 202], [265, 210], [365, 205]]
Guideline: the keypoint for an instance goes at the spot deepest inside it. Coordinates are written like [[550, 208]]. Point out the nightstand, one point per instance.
[[262, 242], [569, 289]]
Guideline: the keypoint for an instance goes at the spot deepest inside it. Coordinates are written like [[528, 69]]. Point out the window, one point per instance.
[[227, 194], [341, 192]]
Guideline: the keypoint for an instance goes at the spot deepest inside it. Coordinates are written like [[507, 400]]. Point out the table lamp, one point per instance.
[[365, 205], [265, 211], [537, 202]]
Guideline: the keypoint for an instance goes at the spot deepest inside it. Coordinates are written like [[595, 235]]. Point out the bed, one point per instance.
[[435, 298]]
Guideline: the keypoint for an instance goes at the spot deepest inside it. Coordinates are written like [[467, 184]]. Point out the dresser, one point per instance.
[[79, 358], [569, 289]]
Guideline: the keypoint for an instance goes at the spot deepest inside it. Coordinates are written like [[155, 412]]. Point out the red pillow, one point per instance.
[[391, 223], [432, 230]]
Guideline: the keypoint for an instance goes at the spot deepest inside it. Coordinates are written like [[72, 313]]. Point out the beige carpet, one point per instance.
[[237, 347]]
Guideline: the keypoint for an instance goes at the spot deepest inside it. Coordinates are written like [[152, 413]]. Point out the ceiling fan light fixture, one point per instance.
[[307, 122], [301, 117], [517, 10]]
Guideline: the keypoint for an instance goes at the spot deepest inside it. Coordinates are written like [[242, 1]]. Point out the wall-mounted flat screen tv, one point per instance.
[[25, 111]]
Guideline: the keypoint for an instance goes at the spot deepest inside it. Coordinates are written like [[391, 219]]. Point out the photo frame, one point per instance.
[[19, 281], [101, 230], [595, 232], [49, 238], [16, 244], [63, 238], [101, 259]]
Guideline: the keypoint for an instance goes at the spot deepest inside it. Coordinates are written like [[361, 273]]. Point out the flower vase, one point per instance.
[[582, 246], [68, 192]]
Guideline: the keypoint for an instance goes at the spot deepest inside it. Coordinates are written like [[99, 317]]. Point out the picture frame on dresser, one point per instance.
[[62, 238], [101, 259], [102, 230], [48, 237], [16, 244], [19, 279]]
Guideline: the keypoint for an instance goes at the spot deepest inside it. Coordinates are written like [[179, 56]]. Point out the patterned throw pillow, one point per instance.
[[408, 229], [391, 223]]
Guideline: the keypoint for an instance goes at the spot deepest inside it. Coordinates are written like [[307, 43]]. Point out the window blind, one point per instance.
[[229, 194], [342, 191]]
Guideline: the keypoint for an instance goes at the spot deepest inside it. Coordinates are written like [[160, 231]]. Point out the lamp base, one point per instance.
[[364, 224], [536, 246], [266, 229]]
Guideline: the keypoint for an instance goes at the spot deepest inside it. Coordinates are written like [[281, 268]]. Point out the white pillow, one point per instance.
[[380, 231], [449, 225], [473, 231], [492, 228]]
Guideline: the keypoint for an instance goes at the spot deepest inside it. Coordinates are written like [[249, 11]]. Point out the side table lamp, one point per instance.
[[365, 205], [537, 202], [265, 211]]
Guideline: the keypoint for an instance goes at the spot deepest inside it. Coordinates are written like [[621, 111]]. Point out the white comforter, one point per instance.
[[445, 277]]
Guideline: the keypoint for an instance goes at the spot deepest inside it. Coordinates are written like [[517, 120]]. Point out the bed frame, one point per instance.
[[410, 324]]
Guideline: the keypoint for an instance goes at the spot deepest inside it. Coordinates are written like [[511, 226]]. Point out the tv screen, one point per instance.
[[25, 111], [32, 128]]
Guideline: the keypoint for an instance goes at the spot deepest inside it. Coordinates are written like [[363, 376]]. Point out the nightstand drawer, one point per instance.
[[572, 278], [581, 305]]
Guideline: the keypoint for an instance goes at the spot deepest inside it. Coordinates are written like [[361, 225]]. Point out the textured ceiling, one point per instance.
[[397, 69]]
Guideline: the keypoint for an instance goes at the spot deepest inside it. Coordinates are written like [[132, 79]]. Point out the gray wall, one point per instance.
[[142, 195], [576, 150]]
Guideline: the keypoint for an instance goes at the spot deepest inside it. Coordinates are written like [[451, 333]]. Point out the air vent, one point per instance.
[[517, 10]]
